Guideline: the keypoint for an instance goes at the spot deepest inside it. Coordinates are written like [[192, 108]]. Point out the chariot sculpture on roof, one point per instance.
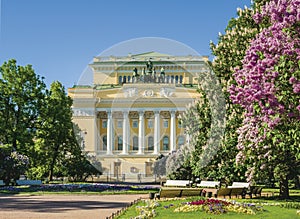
[[149, 74]]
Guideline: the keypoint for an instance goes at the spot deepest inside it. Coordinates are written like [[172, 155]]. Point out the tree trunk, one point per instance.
[[297, 182], [50, 177], [284, 187]]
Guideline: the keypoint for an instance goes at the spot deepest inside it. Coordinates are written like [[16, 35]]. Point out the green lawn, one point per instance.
[[166, 210]]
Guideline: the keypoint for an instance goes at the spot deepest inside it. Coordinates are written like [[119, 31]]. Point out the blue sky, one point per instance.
[[60, 37]]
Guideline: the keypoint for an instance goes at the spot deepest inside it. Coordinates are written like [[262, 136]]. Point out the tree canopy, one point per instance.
[[36, 124]]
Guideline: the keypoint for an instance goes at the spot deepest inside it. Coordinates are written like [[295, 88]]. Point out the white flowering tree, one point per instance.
[[229, 53], [204, 124]]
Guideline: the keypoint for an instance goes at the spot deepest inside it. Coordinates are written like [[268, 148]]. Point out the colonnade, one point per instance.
[[141, 132]]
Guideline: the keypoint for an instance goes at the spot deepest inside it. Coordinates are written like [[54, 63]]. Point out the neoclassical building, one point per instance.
[[130, 115]]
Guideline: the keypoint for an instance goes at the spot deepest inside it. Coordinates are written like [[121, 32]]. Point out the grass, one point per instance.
[[282, 209]]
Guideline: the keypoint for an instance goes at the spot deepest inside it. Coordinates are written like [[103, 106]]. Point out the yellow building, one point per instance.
[[130, 115]]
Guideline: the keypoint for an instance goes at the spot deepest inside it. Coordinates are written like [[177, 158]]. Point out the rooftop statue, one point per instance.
[[149, 66], [135, 75]]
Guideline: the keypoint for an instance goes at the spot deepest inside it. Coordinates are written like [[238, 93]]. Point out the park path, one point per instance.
[[63, 206]]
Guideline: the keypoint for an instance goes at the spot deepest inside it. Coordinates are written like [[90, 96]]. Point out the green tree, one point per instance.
[[58, 140], [229, 53], [79, 166], [55, 140], [177, 164], [21, 98]]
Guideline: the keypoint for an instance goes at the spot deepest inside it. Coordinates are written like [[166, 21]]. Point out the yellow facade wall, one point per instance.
[[88, 127]]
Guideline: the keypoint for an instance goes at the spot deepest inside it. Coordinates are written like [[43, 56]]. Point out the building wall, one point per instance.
[[88, 127], [111, 93]]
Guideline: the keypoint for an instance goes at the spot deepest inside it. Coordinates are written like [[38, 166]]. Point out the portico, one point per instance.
[[156, 131]]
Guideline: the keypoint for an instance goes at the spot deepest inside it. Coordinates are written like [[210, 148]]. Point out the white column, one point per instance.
[[109, 133], [173, 132], [141, 133], [156, 132], [96, 133], [125, 133]]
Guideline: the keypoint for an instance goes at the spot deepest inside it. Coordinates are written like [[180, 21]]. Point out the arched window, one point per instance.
[[135, 143], [124, 79], [166, 143], [104, 140], [172, 79], [180, 79], [168, 79], [176, 79], [120, 143], [150, 143], [120, 79], [128, 79], [181, 140]]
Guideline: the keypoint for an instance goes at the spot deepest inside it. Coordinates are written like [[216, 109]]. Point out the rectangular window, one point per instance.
[[120, 124], [135, 124], [150, 123], [120, 143], [166, 123], [135, 143], [104, 124]]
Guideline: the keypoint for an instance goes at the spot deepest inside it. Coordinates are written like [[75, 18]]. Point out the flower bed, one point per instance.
[[219, 208], [91, 187], [210, 206]]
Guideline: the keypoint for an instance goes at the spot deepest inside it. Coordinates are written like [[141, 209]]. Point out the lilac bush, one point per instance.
[[12, 164], [268, 87]]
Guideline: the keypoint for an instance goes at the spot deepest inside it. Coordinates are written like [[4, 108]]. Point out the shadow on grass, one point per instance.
[[293, 198]]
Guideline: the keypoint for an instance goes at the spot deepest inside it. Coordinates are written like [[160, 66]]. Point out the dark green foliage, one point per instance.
[[37, 124], [21, 98]]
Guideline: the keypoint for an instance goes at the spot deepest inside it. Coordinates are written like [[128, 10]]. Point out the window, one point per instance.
[[166, 143], [179, 124], [181, 140], [104, 139], [128, 79], [120, 79], [168, 79], [150, 123], [180, 79], [135, 143], [124, 79], [120, 143], [150, 143], [135, 124], [176, 79], [104, 124], [120, 123], [166, 123]]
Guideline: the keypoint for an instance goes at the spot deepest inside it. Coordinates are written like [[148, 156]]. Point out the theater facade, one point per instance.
[[131, 114]]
